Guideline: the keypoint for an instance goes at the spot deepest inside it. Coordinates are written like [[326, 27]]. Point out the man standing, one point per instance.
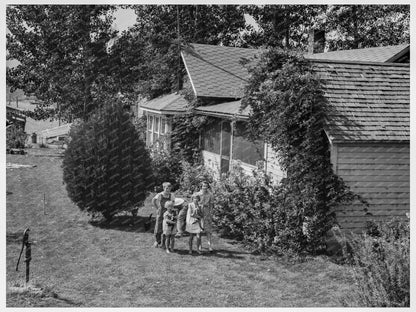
[[158, 203]]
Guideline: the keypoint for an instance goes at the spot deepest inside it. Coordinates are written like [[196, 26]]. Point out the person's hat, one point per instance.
[[178, 201]]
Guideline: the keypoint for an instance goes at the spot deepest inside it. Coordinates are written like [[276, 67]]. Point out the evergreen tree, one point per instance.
[[106, 166]]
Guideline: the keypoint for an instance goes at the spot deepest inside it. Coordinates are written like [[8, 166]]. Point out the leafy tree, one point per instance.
[[363, 26], [282, 25], [157, 28], [346, 26], [106, 166], [62, 54]]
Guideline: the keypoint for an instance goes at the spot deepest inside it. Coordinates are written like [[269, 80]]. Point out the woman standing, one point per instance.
[[207, 203], [193, 223], [158, 203]]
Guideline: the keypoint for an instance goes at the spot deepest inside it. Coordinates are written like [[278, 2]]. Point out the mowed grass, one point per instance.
[[79, 263]]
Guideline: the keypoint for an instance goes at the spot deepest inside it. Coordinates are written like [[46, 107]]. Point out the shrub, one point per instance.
[[381, 266], [257, 212], [166, 167], [192, 175], [106, 166], [15, 137]]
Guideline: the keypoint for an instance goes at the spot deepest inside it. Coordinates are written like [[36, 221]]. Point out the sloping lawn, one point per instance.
[[80, 263]]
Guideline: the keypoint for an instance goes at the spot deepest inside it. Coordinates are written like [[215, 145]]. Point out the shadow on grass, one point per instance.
[[219, 253], [38, 298], [14, 237], [137, 224]]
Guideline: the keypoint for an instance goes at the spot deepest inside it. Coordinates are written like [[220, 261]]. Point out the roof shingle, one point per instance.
[[216, 71], [168, 104], [376, 54], [367, 102]]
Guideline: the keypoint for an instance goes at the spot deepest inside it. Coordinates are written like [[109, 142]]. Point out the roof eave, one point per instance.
[[189, 74], [359, 62], [222, 115], [339, 141], [398, 55], [162, 112]]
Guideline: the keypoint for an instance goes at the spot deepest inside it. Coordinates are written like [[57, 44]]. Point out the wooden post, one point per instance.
[[28, 257]]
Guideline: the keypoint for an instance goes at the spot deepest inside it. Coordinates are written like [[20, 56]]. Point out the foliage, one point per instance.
[[62, 55], [193, 174], [186, 130], [281, 25], [106, 166], [255, 211], [381, 266], [15, 137], [157, 40], [288, 111], [364, 26], [346, 26], [141, 126], [166, 167]]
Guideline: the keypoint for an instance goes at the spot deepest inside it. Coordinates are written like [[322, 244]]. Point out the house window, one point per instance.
[[245, 150], [211, 137], [149, 136], [156, 135]]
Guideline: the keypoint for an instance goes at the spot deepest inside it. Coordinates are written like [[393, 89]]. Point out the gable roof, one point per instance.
[[167, 104], [216, 71], [376, 54], [367, 101]]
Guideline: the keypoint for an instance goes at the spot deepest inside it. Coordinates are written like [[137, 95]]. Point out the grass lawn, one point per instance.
[[76, 263]]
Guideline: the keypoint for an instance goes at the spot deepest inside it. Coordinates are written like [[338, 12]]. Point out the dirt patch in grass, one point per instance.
[[87, 263]]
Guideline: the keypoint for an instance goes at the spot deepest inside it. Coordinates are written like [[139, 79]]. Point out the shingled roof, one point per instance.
[[376, 54], [216, 71], [227, 110], [167, 104], [368, 101]]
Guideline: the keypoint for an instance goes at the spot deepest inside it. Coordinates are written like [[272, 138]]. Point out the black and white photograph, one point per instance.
[[206, 155]]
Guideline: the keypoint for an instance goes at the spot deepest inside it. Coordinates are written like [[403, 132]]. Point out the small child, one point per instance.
[[169, 226], [193, 222]]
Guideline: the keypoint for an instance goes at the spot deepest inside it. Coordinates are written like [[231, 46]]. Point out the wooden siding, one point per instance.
[[272, 164], [380, 174]]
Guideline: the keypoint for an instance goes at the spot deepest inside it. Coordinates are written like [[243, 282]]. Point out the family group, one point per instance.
[[175, 218]]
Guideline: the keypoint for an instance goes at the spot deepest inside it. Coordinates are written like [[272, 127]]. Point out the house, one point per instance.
[[367, 127], [15, 116]]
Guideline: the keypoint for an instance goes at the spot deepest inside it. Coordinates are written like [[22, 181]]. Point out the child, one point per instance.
[[169, 226], [193, 222]]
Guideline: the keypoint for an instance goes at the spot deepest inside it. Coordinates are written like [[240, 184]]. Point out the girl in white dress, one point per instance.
[[193, 223]]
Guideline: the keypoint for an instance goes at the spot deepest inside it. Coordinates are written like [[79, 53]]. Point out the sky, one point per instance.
[[126, 18]]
